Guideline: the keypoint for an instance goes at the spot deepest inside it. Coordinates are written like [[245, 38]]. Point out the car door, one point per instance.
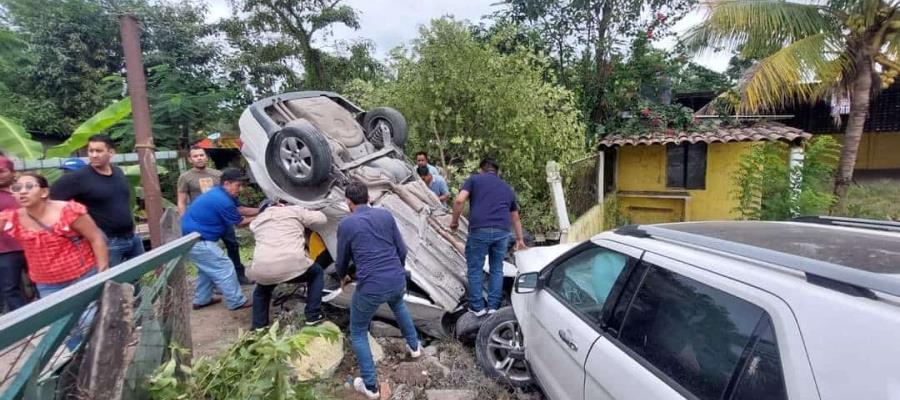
[[682, 332], [566, 313]]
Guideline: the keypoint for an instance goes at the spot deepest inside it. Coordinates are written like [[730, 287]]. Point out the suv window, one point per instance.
[[585, 280], [689, 331], [762, 377]]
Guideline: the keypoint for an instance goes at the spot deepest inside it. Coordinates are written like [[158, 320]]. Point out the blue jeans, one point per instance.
[[11, 266], [493, 243], [123, 248], [315, 282], [214, 268], [362, 309], [87, 316]]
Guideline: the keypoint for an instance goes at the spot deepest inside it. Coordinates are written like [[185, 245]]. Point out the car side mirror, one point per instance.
[[528, 283]]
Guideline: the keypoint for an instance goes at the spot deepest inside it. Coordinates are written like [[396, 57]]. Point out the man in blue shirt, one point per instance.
[[210, 215], [369, 237], [422, 161], [493, 208], [436, 183]]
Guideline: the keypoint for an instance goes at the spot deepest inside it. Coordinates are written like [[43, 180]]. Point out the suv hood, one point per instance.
[[536, 258]]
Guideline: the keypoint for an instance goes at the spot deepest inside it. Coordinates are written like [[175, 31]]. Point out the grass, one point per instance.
[[874, 200]]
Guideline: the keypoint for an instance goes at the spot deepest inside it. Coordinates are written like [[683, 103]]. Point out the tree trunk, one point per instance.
[[860, 95], [601, 63]]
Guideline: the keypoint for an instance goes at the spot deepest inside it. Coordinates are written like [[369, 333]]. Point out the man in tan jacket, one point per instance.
[[280, 256]]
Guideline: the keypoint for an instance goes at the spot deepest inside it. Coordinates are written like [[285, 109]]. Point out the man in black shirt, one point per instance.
[[103, 189]]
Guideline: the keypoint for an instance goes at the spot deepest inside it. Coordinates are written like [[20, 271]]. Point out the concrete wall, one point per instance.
[[641, 170]]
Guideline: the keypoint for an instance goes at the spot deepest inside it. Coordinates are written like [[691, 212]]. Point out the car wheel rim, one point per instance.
[[380, 130], [504, 350], [296, 157]]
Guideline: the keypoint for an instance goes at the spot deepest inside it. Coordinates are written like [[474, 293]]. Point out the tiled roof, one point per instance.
[[760, 131]]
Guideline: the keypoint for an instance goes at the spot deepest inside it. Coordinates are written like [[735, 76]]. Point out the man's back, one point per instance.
[[210, 214], [280, 243], [371, 238], [491, 201], [107, 198]]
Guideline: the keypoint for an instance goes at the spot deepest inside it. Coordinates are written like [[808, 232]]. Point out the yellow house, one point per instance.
[[683, 176]]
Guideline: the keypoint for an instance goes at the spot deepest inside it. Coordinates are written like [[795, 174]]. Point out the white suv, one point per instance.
[[707, 310]]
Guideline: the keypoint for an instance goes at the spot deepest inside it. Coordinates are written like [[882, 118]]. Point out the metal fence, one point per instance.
[[41, 356], [580, 178]]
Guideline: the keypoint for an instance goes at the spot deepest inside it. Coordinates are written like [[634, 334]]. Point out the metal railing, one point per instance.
[[31, 337]]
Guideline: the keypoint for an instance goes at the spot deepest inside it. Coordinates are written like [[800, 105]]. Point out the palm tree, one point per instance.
[[823, 48]]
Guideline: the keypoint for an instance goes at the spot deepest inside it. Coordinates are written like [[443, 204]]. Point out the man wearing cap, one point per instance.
[[104, 190], [210, 215], [12, 260], [198, 180], [72, 164]]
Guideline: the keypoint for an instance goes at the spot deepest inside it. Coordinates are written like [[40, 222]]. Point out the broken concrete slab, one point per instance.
[[384, 329], [435, 394], [430, 351], [403, 392], [322, 359], [411, 373]]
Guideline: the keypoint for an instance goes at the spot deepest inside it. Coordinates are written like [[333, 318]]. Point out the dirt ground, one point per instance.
[[451, 364]]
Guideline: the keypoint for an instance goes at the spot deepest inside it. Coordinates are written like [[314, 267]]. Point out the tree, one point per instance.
[[828, 48], [693, 77], [274, 32], [465, 100]]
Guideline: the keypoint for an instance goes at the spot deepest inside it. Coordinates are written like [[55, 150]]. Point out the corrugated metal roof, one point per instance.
[[760, 131]]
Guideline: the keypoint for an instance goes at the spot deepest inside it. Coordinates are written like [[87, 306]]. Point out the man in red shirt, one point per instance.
[[12, 260]]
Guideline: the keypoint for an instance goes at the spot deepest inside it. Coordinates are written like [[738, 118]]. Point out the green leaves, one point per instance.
[[98, 123], [17, 142]]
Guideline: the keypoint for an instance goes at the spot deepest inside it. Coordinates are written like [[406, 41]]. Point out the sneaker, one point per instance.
[[415, 353], [360, 386], [478, 313], [491, 311], [315, 321]]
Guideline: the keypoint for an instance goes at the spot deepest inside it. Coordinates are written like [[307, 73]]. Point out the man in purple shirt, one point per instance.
[[12, 260], [492, 210], [370, 238]]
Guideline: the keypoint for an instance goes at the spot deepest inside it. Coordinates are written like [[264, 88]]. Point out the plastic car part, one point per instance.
[[300, 154], [385, 119]]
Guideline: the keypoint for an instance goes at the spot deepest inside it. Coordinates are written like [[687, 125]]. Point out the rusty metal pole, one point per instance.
[[143, 137]]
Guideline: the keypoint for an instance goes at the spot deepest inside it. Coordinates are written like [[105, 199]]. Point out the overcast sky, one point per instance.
[[390, 23]]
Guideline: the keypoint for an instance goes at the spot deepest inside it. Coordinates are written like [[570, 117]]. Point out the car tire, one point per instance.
[[300, 155], [500, 350], [378, 119]]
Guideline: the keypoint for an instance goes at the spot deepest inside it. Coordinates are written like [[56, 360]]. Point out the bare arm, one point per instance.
[[517, 226], [86, 227], [248, 211], [182, 202], [246, 221], [457, 208], [444, 197]]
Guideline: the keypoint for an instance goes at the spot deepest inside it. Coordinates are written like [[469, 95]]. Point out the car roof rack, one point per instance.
[[848, 280], [890, 226]]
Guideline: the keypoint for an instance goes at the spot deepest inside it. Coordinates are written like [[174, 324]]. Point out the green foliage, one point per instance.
[[612, 213], [873, 200], [98, 123], [15, 141], [465, 100], [763, 180], [254, 367], [693, 77]]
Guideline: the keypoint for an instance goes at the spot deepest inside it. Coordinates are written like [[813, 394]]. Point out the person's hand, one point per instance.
[[520, 245], [102, 268], [454, 225], [346, 281]]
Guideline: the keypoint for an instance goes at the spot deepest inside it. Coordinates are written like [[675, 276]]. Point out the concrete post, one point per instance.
[[559, 199], [795, 165], [143, 137], [601, 176]]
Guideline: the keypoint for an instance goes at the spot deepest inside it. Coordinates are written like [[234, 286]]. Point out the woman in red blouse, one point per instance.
[[61, 242]]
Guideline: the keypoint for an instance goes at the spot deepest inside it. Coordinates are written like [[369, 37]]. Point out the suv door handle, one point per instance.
[[567, 340]]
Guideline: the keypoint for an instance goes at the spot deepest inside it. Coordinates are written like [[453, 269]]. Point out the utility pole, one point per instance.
[[140, 111]]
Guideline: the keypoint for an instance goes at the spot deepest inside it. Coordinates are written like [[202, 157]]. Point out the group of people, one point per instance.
[[67, 232], [83, 225]]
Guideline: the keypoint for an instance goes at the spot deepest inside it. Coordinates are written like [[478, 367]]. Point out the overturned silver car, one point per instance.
[[304, 147]]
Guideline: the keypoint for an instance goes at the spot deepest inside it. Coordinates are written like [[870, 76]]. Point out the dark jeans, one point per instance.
[[11, 266], [234, 250], [123, 248], [362, 309], [492, 243], [262, 296]]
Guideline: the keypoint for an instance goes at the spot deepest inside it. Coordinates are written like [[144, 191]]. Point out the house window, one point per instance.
[[686, 165]]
